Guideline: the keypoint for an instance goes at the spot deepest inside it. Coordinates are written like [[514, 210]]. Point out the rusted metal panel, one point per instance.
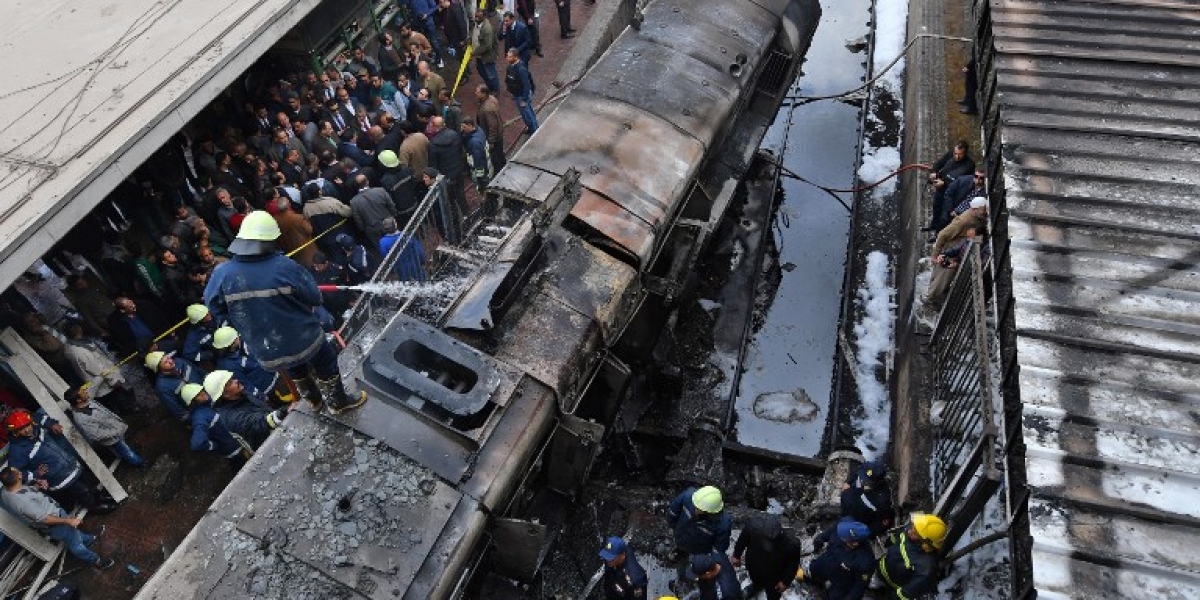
[[554, 348], [697, 101], [515, 179], [626, 230], [632, 157], [715, 34], [594, 284]]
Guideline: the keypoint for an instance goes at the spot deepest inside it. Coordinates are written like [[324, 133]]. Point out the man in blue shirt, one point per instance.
[[520, 85]]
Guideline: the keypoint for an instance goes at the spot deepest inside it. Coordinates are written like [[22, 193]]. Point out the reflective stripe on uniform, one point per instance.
[[867, 502], [284, 361], [272, 420], [268, 293]]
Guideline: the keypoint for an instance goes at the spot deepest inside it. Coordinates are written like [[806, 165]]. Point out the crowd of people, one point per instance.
[[306, 180], [842, 569], [958, 217]]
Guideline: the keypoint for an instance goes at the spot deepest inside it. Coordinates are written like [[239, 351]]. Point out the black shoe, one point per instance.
[[572, 30], [568, 35], [103, 509], [927, 228], [540, 55], [100, 532], [969, 110], [962, 102], [104, 563], [932, 239]]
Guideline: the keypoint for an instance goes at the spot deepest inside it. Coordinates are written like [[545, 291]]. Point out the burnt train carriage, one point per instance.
[[500, 401]]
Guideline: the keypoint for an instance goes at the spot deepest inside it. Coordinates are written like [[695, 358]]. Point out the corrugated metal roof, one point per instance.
[[91, 89], [1100, 123]]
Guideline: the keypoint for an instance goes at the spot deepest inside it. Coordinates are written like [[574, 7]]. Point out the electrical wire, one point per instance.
[[879, 75]]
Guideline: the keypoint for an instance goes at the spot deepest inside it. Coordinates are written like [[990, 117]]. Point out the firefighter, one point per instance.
[[845, 566], [197, 344], [867, 499], [271, 300], [208, 432], [624, 577], [48, 463], [171, 373], [700, 524], [244, 416], [715, 577], [909, 567], [231, 356]]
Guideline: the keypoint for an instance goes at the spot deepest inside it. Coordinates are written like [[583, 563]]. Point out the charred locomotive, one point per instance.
[[502, 398]]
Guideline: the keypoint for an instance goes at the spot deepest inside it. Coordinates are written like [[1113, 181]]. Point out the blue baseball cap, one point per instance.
[[874, 470], [852, 531], [612, 548]]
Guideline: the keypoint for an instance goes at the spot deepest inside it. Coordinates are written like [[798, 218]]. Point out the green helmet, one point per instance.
[[214, 383], [223, 337], [708, 499], [189, 391], [196, 313]]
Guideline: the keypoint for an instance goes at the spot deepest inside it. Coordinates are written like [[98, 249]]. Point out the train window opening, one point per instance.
[[437, 367]]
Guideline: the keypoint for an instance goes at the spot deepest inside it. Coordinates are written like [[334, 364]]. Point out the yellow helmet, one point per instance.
[[223, 337], [389, 159], [708, 499], [931, 528], [214, 383], [152, 360], [259, 229], [189, 391], [196, 313]]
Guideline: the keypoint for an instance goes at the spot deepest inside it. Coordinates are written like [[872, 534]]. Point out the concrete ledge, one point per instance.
[[609, 20]]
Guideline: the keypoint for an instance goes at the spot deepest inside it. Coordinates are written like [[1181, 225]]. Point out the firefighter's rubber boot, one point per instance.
[[308, 389], [336, 400]]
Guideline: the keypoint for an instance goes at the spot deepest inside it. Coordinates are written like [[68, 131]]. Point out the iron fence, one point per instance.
[[965, 439], [424, 245]]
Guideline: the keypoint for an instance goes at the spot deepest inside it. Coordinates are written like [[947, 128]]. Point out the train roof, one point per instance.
[[637, 139], [1098, 123]]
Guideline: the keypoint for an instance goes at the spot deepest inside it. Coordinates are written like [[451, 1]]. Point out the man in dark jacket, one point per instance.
[[171, 374], [397, 180], [478, 158], [270, 299], [446, 155], [844, 568], [43, 456], [133, 329], [866, 497], [964, 187], [369, 207], [517, 37], [519, 83], [243, 415], [771, 556], [208, 432], [700, 524], [953, 164], [624, 577]]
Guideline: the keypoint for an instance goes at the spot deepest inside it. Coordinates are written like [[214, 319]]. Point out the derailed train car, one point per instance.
[[495, 408]]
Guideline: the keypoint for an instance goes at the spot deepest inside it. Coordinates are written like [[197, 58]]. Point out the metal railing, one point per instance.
[[424, 246], [965, 436]]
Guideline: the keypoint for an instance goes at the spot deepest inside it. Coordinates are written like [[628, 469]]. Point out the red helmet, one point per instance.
[[17, 419]]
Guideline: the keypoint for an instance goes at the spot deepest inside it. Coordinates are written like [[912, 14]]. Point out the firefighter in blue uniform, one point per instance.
[[271, 300], [197, 344], [231, 356], [845, 567], [867, 499], [624, 577], [909, 567], [244, 416], [715, 577], [171, 374], [700, 524], [208, 432]]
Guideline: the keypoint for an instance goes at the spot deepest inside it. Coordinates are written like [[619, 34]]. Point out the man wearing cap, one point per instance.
[[357, 264], [197, 344], [369, 207], [771, 555], [624, 577], [232, 357], [909, 567], [866, 497], [48, 463], [170, 375], [700, 524], [208, 432], [950, 249], [243, 415], [715, 577], [42, 513], [101, 426], [271, 300], [846, 565]]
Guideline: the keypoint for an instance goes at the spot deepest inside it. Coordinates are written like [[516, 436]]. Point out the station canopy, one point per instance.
[[92, 89]]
